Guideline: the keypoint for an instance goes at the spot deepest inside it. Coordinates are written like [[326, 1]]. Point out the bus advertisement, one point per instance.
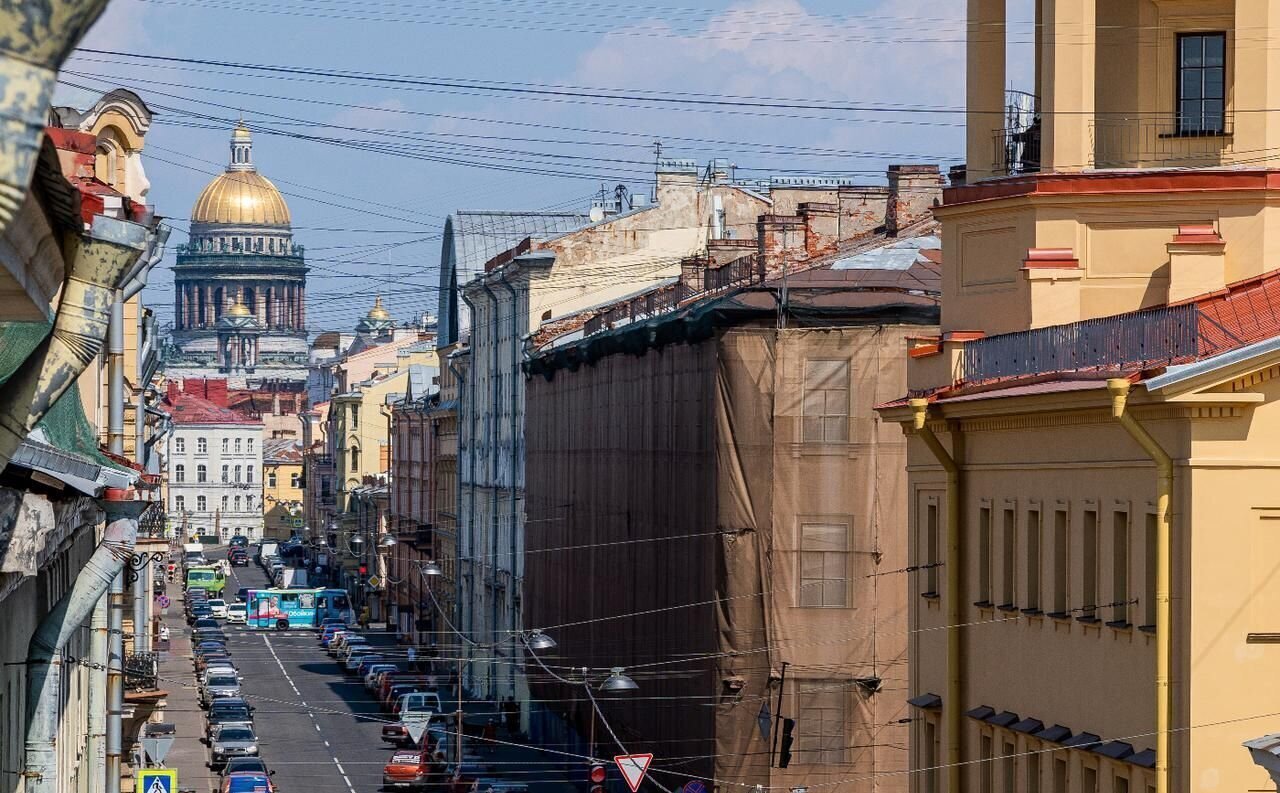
[[207, 576], [282, 609]]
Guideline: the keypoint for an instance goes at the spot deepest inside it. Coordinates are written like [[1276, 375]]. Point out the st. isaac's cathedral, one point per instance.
[[240, 284]]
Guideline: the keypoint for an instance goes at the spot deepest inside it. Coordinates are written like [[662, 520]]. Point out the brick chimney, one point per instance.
[[862, 210], [913, 192], [779, 239], [821, 228]]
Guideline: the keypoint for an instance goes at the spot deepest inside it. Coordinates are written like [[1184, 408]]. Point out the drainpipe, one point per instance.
[[1119, 388], [952, 703], [516, 432], [469, 612], [38, 38], [115, 377], [457, 507], [115, 681], [493, 481], [97, 262], [44, 664], [97, 705]]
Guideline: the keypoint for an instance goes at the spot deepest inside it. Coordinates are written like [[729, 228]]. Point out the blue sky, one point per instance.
[[403, 157]]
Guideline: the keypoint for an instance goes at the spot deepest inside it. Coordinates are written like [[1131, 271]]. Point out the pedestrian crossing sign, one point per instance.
[[157, 780]]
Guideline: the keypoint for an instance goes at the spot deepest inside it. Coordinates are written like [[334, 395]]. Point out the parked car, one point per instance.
[[348, 641], [367, 661], [242, 594], [350, 660], [330, 634], [219, 607], [341, 638], [232, 710], [411, 769], [218, 687], [205, 622], [247, 782], [238, 557], [372, 671], [218, 668], [237, 614], [232, 740], [211, 660], [246, 765]]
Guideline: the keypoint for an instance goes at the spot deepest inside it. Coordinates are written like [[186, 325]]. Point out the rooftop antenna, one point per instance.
[[657, 160]]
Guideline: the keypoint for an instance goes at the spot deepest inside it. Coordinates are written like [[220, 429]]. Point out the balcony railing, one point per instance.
[[1162, 140], [1123, 343], [1017, 144], [141, 671]]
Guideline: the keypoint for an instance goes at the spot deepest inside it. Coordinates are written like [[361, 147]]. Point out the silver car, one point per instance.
[[233, 740], [217, 686]]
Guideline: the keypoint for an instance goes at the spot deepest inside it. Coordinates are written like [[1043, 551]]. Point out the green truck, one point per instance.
[[206, 576]]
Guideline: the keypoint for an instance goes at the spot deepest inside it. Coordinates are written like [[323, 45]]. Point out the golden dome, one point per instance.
[[241, 198], [241, 132], [238, 309], [378, 312]]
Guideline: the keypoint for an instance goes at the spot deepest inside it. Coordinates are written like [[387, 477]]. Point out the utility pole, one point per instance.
[[777, 715], [457, 716]]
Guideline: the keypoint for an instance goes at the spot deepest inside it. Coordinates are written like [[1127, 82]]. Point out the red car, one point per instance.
[[414, 769]]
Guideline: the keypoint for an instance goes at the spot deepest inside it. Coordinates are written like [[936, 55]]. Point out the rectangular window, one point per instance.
[[202, 505], [1089, 565], [986, 782], [820, 723], [1033, 772], [1008, 566], [929, 757], [1088, 780], [295, 480], [824, 565], [984, 555], [271, 479], [1202, 83], [1033, 560], [1120, 784], [1120, 566], [1060, 775], [1061, 569], [1150, 561], [179, 445], [1010, 768], [931, 549], [826, 402]]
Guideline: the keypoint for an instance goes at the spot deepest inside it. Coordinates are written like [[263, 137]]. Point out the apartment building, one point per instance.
[[1091, 453]]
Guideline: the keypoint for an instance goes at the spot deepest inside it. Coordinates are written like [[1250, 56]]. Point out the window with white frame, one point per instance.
[[824, 564], [271, 478], [226, 445], [826, 402], [821, 721], [179, 445], [202, 473], [295, 480], [226, 503], [202, 504], [237, 503], [237, 446], [180, 503], [248, 474], [249, 445], [179, 473], [202, 446], [226, 473]]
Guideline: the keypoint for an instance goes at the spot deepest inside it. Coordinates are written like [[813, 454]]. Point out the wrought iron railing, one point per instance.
[[141, 671], [1127, 342], [1163, 140], [1017, 144]]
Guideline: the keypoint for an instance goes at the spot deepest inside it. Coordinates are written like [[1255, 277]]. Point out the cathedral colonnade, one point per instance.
[[277, 304]]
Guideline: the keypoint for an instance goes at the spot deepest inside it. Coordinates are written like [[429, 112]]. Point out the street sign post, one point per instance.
[[694, 786], [157, 780], [157, 747], [633, 768]]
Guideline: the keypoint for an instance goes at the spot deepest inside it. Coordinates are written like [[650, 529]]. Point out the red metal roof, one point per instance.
[[190, 409]]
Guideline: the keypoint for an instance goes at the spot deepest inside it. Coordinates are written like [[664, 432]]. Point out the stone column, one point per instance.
[[985, 74], [1068, 62], [302, 307]]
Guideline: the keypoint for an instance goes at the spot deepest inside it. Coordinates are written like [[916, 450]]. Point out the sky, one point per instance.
[[425, 107]]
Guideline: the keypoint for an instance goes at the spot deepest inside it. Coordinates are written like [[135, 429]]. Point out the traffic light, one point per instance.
[[784, 756], [597, 776], [363, 569]]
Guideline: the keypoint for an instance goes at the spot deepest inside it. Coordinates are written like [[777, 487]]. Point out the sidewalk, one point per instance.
[[188, 755]]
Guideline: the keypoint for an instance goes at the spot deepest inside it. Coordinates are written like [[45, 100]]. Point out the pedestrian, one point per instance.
[[164, 633], [411, 653], [512, 713]]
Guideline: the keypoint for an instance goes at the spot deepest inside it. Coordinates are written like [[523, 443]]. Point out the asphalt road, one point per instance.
[[308, 716]]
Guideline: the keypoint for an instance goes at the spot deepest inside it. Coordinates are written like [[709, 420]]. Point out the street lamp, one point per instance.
[[537, 640], [386, 542], [429, 567], [618, 681]]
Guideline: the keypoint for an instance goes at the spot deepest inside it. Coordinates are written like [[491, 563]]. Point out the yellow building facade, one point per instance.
[[1092, 437], [282, 488]]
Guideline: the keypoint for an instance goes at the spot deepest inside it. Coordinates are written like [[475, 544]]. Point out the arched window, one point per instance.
[[226, 473], [225, 503], [237, 473], [355, 458], [248, 474], [179, 473], [248, 503], [237, 445], [249, 445], [202, 473], [237, 507], [226, 445]]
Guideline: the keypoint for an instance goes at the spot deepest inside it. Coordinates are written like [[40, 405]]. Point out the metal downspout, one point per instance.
[[516, 432], [493, 484], [115, 681], [38, 39], [1119, 388], [952, 703], [44, 680], [95, 747], [97, 263], [457, 507], [115, 376], [469, 627]]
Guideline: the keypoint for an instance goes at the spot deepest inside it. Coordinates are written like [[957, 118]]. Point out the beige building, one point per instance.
[[282, 491], [1093, 434]]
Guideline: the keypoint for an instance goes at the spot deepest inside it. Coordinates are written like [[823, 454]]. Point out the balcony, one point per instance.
[[141, 671], [1017, 144], [1162, 141]]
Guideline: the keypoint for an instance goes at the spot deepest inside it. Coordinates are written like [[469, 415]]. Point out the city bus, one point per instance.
[[282, 609], [207, 576]]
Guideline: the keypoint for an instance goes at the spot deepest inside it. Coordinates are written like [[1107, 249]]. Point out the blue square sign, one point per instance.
[[157, 780]]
